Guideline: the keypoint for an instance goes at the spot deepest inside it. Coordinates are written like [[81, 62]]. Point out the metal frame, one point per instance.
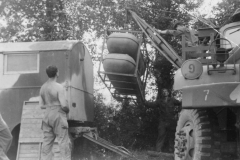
[[157, 41], [92, 136], [199, 51], [224, 68], [137, 92]]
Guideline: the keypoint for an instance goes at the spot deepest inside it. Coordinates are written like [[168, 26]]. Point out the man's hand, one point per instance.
[[41, 103], [65, 109]]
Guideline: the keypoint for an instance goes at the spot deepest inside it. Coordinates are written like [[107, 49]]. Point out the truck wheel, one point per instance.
[[194, 138]]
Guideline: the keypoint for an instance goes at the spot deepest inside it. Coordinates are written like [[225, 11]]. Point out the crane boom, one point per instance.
[[157, 41]]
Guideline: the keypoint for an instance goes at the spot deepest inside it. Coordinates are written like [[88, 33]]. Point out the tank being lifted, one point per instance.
[[125, 43], [124, 65]]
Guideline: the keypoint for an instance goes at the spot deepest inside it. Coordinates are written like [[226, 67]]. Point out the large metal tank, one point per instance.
[[128, 45], [122, 63], [124, 43]]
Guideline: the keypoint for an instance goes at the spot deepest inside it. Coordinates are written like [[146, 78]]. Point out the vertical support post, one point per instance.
[[138, 58], [184, 53], [213, 57], [104, 39], [19, 145], [40, 151]]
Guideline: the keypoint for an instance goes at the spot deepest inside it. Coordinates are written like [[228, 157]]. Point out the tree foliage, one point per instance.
[[224, 10], [126, 124], [33, 20]]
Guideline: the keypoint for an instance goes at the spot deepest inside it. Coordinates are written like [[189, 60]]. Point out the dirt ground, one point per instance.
[[151, 155], [138, 155]]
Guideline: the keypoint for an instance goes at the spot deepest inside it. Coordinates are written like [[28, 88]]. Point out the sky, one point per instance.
[[207, 7]]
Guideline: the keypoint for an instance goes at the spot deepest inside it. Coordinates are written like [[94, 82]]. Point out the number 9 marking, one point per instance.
[[191, 68]]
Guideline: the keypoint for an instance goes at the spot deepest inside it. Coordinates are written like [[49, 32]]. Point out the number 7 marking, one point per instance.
[[207, 92]]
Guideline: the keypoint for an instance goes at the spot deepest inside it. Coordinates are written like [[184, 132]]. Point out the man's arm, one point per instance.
[[62, 99], [171, 32], [41, 102], [162, 32]]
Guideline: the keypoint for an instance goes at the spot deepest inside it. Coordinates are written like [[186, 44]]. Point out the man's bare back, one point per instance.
[[52, 94]]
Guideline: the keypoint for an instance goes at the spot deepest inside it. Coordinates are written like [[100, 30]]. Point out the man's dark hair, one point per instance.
[[176, 23], [51, 71]]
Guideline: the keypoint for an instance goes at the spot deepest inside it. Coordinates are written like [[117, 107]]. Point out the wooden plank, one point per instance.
[[29, 146], [25, 103], [29, 140], [31, 125], [28, 132], [27, 158], [31, 135], [34, 149], [32, 140], [32, 155], [30, 151], [33, 107], [32, 114], [35, 120]]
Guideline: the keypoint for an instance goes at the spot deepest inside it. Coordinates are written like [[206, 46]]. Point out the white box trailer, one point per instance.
[[23, 71]]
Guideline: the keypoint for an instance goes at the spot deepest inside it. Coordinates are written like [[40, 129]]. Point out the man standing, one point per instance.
[[54, 125], [167, 122], [179, 29], [5, 139]]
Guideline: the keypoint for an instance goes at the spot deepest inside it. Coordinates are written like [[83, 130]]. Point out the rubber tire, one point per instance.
[[203, 131]]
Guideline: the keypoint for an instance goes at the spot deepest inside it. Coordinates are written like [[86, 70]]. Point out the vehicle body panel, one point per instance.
[[212, 78], [75, 75], [211, 95]]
